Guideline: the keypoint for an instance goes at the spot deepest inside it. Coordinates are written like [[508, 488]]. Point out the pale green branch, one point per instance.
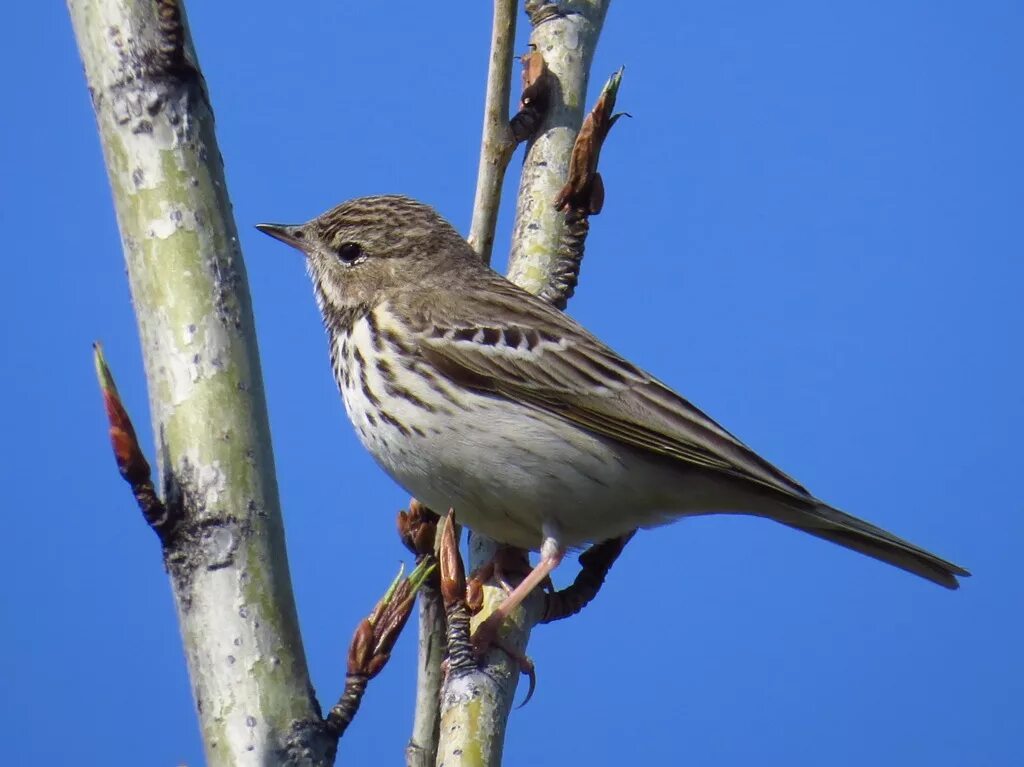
[[227, 560], [566, 36]]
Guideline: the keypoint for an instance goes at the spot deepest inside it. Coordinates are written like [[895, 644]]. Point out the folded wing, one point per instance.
[[532, 353]]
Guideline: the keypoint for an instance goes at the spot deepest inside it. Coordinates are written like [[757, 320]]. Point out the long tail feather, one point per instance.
[[853, 533]]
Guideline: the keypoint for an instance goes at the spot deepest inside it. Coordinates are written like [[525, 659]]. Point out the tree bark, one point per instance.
[[566, 35], [227, 560], [421, 750]]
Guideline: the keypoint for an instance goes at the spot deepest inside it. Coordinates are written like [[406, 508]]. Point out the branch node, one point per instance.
[[582, 196], [539, 11], [579, 191], [309, 736], [344, 711], [535, 98], [169, 56], [131, 461], [417, 529], [461, 658]]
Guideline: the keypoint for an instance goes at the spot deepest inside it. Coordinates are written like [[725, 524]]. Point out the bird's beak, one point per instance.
[[287, 233]]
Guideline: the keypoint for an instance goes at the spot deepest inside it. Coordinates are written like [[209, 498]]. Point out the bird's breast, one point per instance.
[[504, 466]]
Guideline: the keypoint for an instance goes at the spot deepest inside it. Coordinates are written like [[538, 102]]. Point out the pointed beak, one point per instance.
[[287, 233]]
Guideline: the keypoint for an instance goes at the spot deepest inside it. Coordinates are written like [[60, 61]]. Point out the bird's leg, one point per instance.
[[552, 553]]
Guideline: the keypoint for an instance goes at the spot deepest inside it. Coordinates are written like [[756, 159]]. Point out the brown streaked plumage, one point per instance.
[[478, 396]]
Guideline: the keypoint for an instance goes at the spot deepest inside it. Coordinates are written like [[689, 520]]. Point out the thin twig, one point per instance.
[[501, 138], [418, 530], [421, 751], [344, 711], [497, 144]]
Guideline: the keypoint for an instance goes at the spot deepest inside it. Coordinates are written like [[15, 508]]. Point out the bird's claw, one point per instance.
[[485, 638]]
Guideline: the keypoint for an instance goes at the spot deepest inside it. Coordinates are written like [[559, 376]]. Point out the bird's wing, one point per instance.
[[529, 352]]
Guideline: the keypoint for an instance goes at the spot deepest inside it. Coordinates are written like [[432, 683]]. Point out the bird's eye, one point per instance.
[[350, 253]]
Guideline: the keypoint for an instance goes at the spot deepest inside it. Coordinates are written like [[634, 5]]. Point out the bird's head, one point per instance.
[[363, 250]]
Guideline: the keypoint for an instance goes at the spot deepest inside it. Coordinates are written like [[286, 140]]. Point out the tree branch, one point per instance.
[[418, 529], [421, 750], [498, 143], [477, 699], [226, 559], [566, 35]]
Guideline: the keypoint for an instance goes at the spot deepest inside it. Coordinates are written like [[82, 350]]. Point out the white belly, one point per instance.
[[505, 475]]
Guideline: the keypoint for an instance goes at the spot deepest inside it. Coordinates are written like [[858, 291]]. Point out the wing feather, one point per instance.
[[529, 352]]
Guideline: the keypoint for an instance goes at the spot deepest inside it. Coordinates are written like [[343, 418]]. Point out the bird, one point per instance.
[[475, 395]]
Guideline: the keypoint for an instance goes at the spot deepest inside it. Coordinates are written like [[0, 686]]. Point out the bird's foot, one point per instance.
[[507, 567], [486, 635]]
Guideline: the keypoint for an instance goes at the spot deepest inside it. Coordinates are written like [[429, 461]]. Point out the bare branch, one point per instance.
[[226, 559], [418, 529], [498, 143], [476, 701], [421, 750]]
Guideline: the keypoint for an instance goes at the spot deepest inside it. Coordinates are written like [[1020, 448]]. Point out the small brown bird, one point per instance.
[[475, 395]]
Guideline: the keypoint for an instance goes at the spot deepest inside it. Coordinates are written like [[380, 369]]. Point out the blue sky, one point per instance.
[[812, 230]]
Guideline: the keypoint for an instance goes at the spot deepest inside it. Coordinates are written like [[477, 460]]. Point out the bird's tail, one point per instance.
[[846, 530]]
